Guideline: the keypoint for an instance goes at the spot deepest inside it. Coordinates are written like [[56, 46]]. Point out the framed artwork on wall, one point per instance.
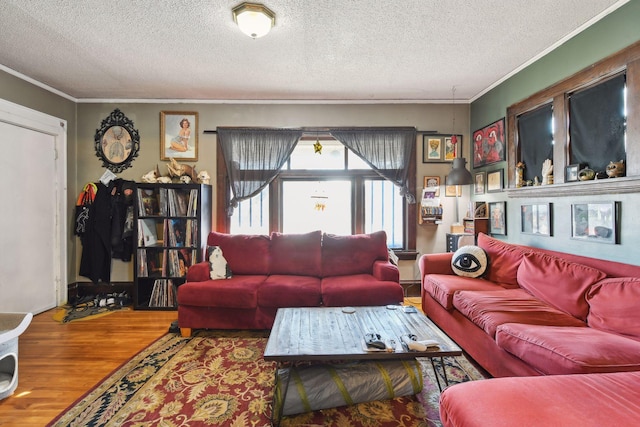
[[536, 219], [179, 135], [440, 148], [498, 218], [494, 181], [489, 144], [479, 179], [432, 181], [595, 222]]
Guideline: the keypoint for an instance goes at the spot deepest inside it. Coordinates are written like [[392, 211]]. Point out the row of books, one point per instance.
[[180, 232], [158, 262], [167, 201], [163, 294]]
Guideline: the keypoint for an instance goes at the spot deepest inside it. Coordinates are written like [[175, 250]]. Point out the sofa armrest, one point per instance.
[[384, 270], [199, 272], [439, 263]]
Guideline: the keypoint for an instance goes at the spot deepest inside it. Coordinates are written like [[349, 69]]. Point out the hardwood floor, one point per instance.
[[58, 363]]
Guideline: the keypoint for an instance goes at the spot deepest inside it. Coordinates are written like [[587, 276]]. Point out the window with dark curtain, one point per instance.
[[535, 138], [597, 124]]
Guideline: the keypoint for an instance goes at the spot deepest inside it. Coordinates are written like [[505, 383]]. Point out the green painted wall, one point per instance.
[[611, 34]]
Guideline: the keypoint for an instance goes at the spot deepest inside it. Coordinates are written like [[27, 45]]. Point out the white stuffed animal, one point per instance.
[[219, 266]]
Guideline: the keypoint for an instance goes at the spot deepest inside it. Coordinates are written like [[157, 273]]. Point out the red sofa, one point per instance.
[[537, 312], [287, 270], [585, 400]]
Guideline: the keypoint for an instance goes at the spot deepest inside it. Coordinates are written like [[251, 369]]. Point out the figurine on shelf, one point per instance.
[[547, 172], [519, 174], [615, 169]]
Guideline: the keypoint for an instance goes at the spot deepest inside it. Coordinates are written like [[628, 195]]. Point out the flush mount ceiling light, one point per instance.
[[255, 20]]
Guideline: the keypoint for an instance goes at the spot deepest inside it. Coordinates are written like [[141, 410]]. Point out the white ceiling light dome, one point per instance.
[[255, 20]]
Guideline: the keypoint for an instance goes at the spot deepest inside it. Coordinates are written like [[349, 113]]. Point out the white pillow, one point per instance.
[[469, 261], [219, 266]]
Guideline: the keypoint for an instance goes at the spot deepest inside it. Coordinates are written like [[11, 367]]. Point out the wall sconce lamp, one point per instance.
[[255, 20], [459, 175]]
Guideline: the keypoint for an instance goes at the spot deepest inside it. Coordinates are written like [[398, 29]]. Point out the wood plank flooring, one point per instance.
[[58, 363]]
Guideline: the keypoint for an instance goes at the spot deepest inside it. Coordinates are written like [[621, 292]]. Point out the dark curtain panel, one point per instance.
[[535, 138], [387, 150], [597, 124], [254, 157]]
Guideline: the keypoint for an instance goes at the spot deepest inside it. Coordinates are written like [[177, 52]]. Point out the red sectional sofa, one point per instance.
[[585, 400], [286, 270], [537, 312]]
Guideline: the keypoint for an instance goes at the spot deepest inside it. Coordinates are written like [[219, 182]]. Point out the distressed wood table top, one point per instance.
[[331, 333]]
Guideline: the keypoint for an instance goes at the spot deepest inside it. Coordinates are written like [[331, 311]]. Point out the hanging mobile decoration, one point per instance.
[[317, 147], [454, 137]]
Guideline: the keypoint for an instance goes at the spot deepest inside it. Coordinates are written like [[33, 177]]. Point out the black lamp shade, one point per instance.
[[459, 174]]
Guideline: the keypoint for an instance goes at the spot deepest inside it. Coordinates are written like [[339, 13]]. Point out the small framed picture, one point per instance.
[[498, 218], [432, 181], [571, 173], [489, 144], [480, 210], [440, 148], [536, 219], [179, 135], [494, 181], [480, 178], [595, 222]]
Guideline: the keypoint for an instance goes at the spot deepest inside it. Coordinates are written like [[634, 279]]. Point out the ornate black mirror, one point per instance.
[[117, 142]]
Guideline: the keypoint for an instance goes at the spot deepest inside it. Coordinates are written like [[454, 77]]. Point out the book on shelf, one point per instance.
[[178, 202], [148, 203], [147, 232], [177, 229], [151, 262], [163, 294]]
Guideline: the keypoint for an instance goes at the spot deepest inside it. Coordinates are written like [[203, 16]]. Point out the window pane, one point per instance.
[[305, 157], [535, 136], [316, 205], [597, 124], [252, 216], [384, 210], [356, 162]]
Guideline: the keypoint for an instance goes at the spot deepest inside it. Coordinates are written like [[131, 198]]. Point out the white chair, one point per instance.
[[11, 326]]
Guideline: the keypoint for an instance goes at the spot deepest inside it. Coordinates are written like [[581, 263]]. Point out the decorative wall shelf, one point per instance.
[[579, 188]]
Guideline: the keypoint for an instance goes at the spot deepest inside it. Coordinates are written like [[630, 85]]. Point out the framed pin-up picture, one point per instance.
[[440, 148], [179, 135]]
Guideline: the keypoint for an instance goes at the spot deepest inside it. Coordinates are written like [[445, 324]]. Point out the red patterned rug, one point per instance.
[[218, 378]]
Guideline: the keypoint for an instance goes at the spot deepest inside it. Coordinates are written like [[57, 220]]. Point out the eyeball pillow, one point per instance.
[[469, 261]]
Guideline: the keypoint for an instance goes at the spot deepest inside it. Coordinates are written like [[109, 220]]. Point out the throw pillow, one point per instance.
[[219, 266], [469, 261]]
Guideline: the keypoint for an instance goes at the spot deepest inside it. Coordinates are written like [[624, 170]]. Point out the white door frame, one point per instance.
[[19, 115]]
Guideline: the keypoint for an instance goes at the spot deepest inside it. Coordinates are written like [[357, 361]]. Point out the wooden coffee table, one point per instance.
[[322, 334]]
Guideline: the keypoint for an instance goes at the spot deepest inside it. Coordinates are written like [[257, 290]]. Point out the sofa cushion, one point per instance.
[[246, 254], [560, 283], [504, 260], [236, 292], [297, 254], [469, 261], [355, 254], [568, 350], [359, 290], [490, 309], [442, 287], [290, 291], [614, 306]]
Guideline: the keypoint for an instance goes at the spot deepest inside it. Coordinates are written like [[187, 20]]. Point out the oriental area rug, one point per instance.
[[219, 378]]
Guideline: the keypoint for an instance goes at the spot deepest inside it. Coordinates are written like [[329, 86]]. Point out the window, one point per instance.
[[535, 133], [335, 191]]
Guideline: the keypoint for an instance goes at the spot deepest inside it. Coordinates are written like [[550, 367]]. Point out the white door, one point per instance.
[[32, 220]]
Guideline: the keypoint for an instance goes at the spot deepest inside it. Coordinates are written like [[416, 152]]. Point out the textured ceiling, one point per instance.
[[319, 50]]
